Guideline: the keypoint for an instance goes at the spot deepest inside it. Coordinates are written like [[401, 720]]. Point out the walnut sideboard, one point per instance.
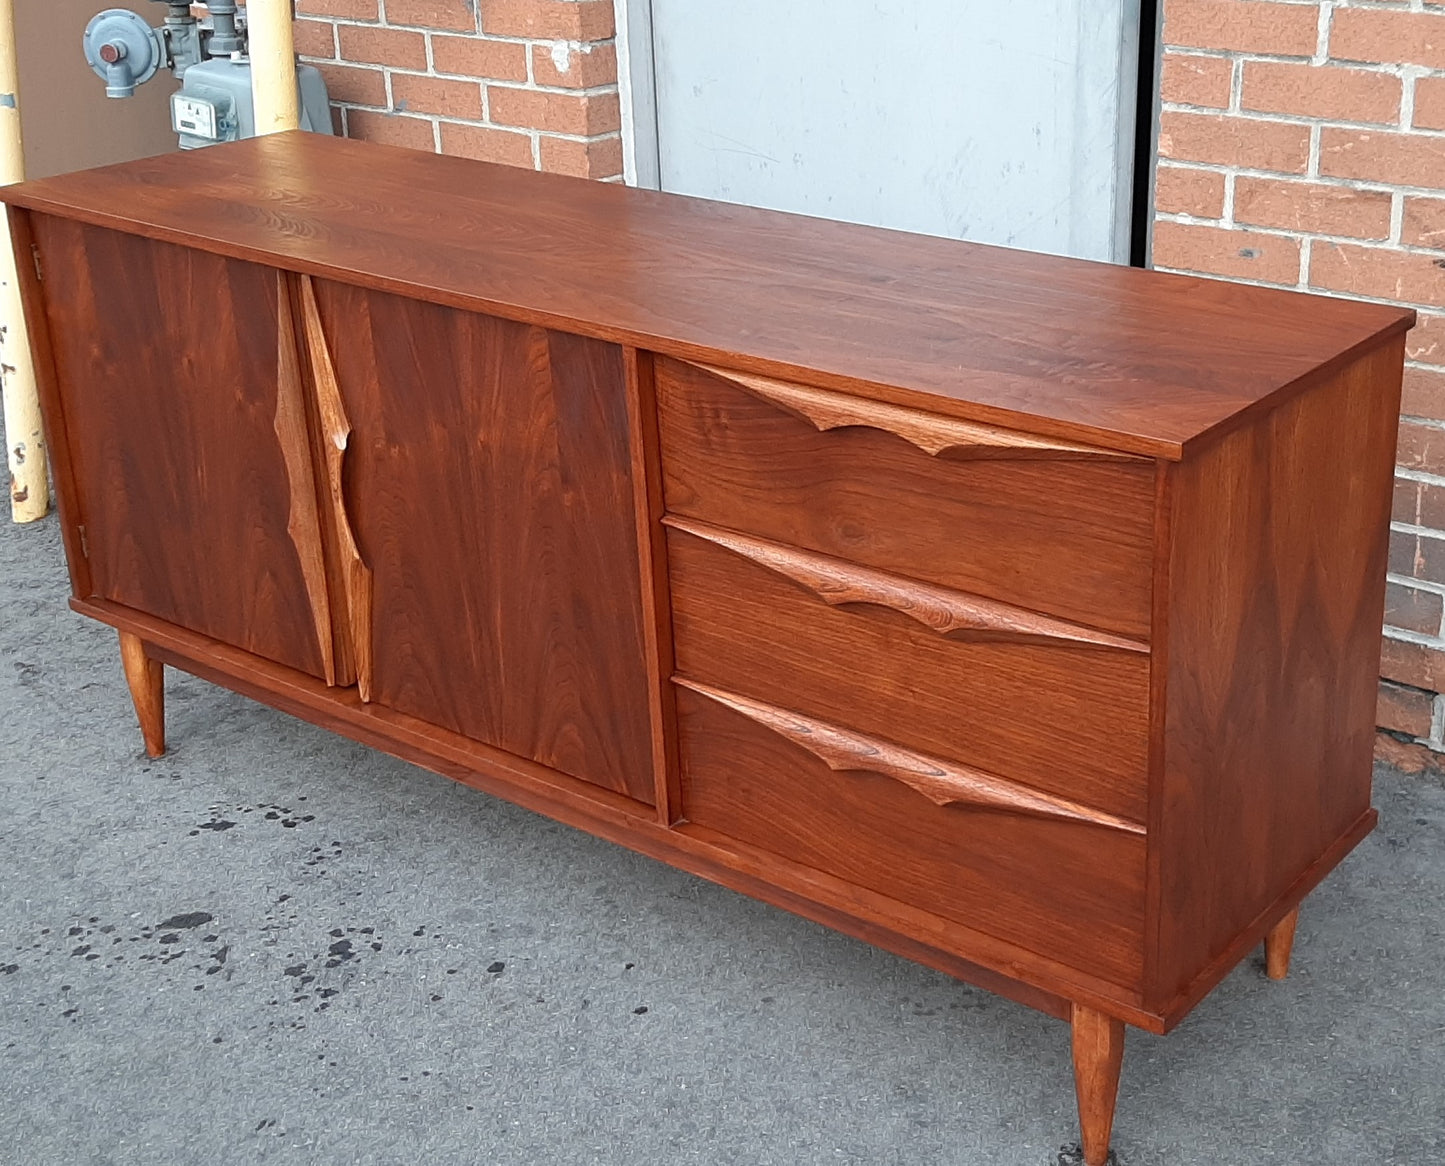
[[1017, 614]]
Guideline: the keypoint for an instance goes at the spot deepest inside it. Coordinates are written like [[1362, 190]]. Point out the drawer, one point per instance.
[[1054, 706], [1045, 525], [938, 837]]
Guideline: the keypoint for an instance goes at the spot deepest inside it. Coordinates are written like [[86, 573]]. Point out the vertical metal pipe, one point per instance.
[[25, 438], [273, 65]]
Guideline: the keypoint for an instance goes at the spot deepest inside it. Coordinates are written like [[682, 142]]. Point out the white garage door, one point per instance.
[[1008, 123]]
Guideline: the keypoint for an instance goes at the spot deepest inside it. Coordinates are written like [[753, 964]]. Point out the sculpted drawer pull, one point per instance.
[[935, 435], [945, 783], [336, 432], [303, 522], [952, 614]]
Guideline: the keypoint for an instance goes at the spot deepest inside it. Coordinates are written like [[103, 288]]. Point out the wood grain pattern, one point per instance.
[[1098, 1041], [943, 783], [1067, 722], [1083, 905], [1071, 539], [146, 679], [490, 490], [336, 433], [1279, 946], [1097, 353], [1276, 584], [646, 470], [951, 614], [303, 523], [166, 374], [937, 435]]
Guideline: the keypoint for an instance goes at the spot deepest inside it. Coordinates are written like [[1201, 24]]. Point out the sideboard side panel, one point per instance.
[[57, 437], [1277, 576], [488, 484], [166, 372]]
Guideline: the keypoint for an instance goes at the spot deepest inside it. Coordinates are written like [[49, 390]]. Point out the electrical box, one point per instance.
[[216, 104]]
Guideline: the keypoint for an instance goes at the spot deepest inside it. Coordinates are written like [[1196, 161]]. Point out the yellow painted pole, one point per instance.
[[25, 438], [273, 65]]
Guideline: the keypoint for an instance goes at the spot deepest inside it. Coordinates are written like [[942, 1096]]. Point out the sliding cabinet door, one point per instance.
[[178, 377], [488, 485]]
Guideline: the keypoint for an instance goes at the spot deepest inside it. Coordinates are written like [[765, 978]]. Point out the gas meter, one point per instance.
[[215, 102]]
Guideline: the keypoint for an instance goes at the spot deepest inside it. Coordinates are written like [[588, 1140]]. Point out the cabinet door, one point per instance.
[[168, 363], [488, 486]]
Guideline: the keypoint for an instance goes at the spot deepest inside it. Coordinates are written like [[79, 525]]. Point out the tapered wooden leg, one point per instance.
[[146, 678], [1278, 944], [1098, 1056]]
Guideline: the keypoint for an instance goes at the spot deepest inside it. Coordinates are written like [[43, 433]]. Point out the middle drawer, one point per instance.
[[1054, 706]]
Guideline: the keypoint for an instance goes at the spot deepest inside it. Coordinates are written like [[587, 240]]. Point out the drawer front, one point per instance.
[[1053, 706], [1045, 525], [937, 837]]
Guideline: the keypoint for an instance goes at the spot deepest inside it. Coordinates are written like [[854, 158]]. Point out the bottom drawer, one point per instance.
[[1003, 859]]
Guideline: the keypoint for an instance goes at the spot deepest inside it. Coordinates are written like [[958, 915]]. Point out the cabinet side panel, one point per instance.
[[57, 436], [166, 372], [488, 483], [1277, 577]]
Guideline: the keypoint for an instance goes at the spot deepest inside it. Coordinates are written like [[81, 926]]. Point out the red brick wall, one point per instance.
[[1301, 144], [526, 82]]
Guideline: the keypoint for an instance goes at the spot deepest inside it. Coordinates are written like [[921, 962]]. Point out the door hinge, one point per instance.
[[35, 254], [84, 540]]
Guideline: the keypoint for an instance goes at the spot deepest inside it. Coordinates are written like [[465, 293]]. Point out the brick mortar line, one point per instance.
[[1425, 477], [460, 34], [494, 83], [1357, 185], [1413, 584], [432, 73], [1406, 636], [1385, 245], [1322, 34], [470, 123], [1418, 531], [1300, 119], [1312, 289], [1388, 68], [531, 87], [1364, 185]]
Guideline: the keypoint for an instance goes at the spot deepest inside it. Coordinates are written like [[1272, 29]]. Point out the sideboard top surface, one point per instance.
[[1141, 361]]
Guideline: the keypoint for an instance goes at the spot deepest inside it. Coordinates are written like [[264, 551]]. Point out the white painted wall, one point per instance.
[[1002, 123]]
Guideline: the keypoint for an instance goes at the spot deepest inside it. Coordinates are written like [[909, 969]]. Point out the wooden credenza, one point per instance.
[[1017, 614]]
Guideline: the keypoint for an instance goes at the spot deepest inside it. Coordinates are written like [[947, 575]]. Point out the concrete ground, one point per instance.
[[277, 946]]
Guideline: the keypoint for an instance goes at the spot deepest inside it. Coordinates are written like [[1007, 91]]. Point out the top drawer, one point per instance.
[[1044, 524]]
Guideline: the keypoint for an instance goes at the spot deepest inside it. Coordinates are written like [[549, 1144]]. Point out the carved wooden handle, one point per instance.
[[935, 435], [304, 523], [952, 614], [336, 431], [945, 783]]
